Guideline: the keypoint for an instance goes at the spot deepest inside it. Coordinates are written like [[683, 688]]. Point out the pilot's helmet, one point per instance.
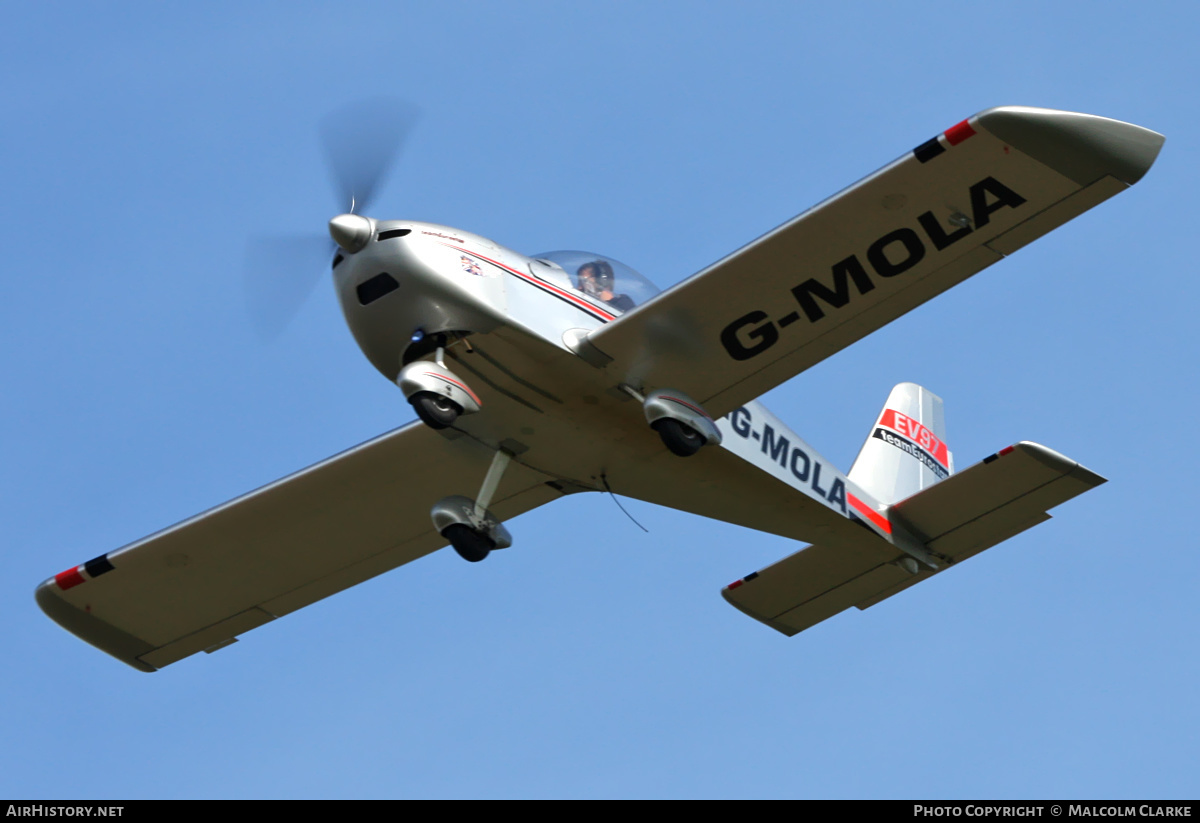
[[595, 274], [604, 274]]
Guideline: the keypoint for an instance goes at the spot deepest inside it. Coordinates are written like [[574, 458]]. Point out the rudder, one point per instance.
[[906, 450]]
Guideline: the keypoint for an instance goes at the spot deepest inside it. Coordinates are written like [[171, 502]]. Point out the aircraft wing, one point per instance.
[[942, 212], [197, 585]]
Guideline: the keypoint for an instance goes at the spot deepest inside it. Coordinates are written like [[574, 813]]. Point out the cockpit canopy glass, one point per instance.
[[602, 278]]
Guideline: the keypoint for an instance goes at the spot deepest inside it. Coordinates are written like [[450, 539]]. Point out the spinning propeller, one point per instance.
[[360, 142]]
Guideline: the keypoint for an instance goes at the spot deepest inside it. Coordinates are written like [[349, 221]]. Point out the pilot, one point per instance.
[[596, 279]]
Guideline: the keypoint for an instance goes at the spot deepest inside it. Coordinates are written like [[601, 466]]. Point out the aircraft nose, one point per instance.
[[351, 231]]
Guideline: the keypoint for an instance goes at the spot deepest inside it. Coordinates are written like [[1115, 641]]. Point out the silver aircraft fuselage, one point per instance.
[[516, 331], [519, 316]]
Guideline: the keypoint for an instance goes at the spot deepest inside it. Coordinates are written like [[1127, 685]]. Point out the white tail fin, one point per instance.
[[906, 451]]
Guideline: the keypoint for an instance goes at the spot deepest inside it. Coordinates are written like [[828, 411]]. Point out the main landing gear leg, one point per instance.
[[472, 530]]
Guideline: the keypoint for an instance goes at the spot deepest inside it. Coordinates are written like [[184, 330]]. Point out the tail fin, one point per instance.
[[907, 450]]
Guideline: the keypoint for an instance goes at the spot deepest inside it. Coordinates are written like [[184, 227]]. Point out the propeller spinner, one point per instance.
[[351, 231]]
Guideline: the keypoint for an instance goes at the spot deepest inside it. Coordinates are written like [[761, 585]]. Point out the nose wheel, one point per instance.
[[437, 394], [435, 410]]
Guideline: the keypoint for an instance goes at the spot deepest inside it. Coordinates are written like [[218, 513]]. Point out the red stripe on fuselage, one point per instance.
[[869, 513], [529, 278]]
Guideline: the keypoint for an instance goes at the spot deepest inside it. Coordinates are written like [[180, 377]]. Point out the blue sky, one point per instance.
[[145, 144]]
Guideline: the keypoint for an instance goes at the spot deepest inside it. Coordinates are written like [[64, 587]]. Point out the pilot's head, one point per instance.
[[595, 277], [586, 278]]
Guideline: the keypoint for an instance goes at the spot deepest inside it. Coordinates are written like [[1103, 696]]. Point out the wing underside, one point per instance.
[[942, 212], [197, 585]]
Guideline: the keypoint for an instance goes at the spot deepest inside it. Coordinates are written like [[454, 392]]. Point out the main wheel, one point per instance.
[[470, 544], [435, 410], [680, 438]]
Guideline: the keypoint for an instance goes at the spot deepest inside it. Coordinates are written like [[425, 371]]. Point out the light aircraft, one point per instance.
[[535, 377]]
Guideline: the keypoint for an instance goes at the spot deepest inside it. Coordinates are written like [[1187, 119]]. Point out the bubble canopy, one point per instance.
[[601, 278]]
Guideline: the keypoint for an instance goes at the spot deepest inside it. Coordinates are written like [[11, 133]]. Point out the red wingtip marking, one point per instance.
[[735, 584], [69, 578], [1005, 450], [958, 133]]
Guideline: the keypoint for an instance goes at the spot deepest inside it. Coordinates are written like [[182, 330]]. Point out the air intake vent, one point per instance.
[[390, 233], [371, 290]]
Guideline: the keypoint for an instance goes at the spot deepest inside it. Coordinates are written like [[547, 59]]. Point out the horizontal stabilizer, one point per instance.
[[959, 517], [816, 583], [1007, 493]]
